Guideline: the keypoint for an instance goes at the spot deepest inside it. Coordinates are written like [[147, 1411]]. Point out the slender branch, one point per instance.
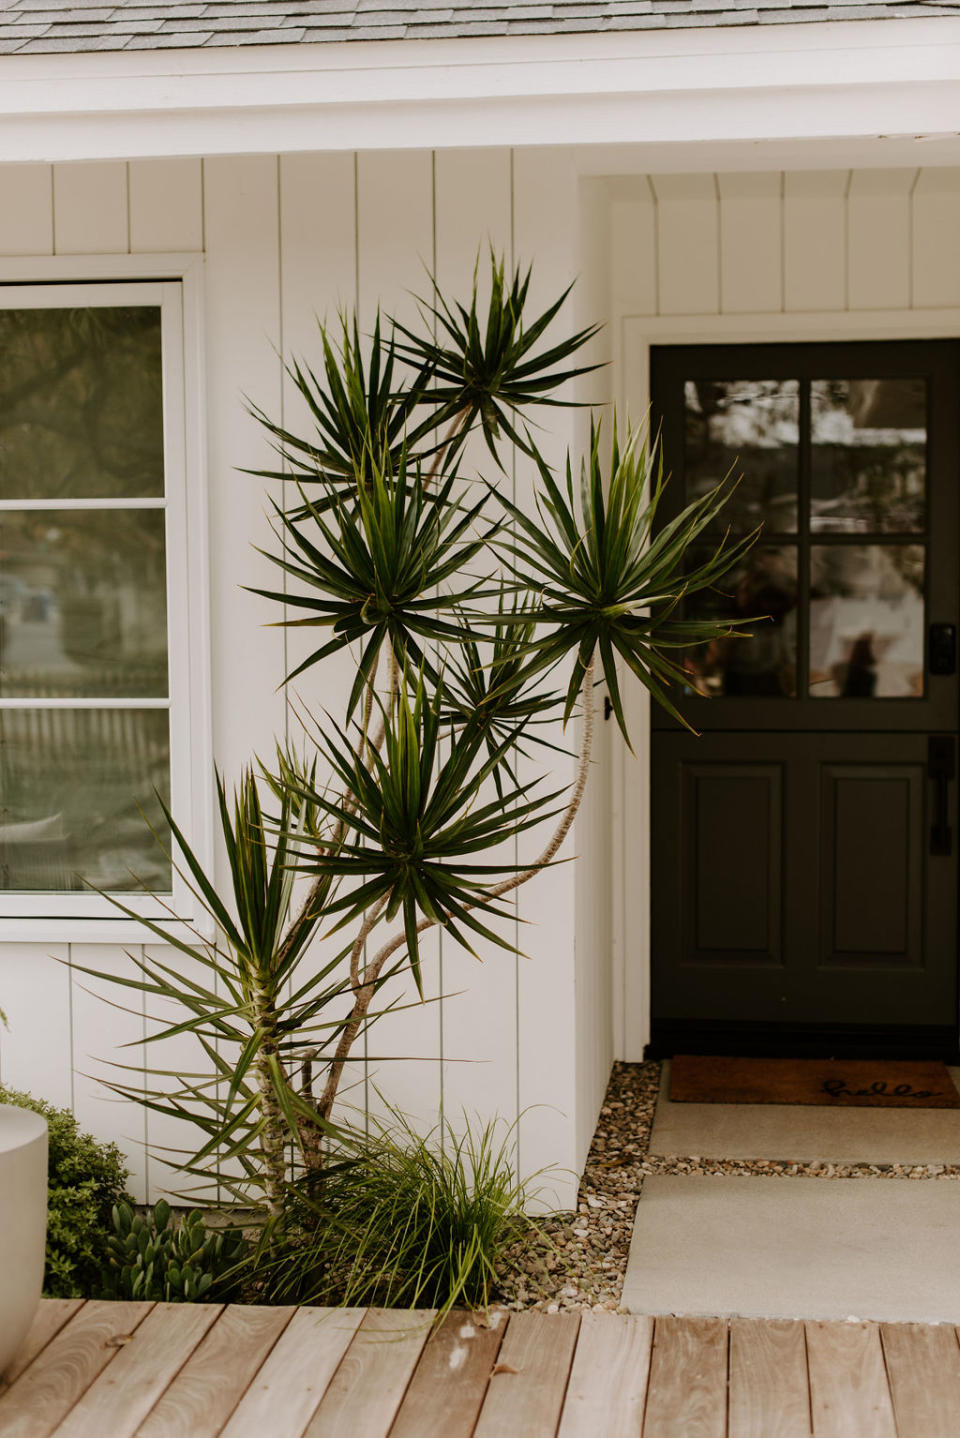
[[364, 994]]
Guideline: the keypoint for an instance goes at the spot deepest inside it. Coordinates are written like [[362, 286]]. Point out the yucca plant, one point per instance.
[[472, 620]]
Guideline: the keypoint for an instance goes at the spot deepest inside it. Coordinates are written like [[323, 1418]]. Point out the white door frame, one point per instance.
[[634, 335]]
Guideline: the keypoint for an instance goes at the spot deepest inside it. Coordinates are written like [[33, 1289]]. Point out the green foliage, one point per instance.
[[86, 1178], [604, 580], [240, 997], [492, 369], [153, 1257], [380, 569], [416, 822], [404, 1221]]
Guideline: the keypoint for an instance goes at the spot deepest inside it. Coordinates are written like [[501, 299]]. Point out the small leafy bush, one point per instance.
[[86, 1178], [154, 1257], [402, 1221]]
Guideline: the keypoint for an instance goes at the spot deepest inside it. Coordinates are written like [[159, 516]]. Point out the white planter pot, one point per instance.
[[23, 1223]]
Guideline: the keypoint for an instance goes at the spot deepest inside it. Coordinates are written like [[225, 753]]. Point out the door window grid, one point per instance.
[[867, 583]]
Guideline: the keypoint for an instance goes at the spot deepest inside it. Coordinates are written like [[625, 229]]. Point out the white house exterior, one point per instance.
[[708, 181]]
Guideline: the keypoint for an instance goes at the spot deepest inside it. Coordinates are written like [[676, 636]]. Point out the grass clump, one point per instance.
[[398, 1220], [86, 1179]]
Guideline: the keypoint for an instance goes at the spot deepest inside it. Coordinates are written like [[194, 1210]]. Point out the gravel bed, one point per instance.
[[583, 1259]]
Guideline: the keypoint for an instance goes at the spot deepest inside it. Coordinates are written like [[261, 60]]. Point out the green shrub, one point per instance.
[[402, 1221], [153, 1257], [86, 1178]]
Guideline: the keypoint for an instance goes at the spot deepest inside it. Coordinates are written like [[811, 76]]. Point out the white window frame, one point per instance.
[[173, 284]]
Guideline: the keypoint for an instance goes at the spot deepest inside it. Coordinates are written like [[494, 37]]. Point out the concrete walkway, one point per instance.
[[773, 1246]]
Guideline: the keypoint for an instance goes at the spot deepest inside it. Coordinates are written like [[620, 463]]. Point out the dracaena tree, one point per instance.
[[473, 620]]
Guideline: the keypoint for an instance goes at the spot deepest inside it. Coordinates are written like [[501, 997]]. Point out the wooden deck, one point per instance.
[[115, 1370]]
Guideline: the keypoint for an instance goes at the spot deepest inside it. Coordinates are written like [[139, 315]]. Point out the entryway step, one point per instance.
[[805, 1133], [870, 1248]]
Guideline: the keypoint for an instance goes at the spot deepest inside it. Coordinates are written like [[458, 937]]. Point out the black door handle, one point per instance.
[[941, 768]]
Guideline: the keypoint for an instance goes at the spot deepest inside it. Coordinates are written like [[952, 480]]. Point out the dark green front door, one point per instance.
[[804, 868]]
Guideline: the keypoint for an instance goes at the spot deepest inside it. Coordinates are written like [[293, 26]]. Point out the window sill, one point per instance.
[[125, 932]]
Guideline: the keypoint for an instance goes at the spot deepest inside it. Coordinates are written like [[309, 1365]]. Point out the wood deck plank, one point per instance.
[[849, 1394], [367, 1389], [688, 1379], [530, 1376], [215, 1377], [923, 1369], [287, 1391], [52, 1315], [58, 1378], [608, 1381], [119, 1400], [769, 1383], [448, 1388]]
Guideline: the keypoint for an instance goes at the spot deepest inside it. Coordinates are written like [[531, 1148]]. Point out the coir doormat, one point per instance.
[[843, 1083]]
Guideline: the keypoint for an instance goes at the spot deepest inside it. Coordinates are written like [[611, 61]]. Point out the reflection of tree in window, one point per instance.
[[80, 403], [749, 427], [868, 455], [763, 665]]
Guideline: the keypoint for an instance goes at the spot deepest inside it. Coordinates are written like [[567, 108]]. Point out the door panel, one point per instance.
[[801, 878]]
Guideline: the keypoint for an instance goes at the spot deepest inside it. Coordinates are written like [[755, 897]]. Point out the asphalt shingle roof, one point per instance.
[[39, 27]]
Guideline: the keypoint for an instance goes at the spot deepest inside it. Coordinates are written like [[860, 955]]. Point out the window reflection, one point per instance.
[[749, 427], [868, 455], [75, 788], [867, 621], [763, 589], [83, 603], [81, 411]]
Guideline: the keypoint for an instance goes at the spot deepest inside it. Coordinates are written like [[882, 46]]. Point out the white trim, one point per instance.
[[631, 878], [747, 84], [88, 918]]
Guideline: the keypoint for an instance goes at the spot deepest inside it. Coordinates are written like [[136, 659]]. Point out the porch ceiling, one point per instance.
[[761, 96]]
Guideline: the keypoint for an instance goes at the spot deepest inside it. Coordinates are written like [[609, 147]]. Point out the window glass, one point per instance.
[[83, 602], [764, 591], [84, 718], [867, 621], [868, 456], [748, 428], [81, 403], [78, 794]]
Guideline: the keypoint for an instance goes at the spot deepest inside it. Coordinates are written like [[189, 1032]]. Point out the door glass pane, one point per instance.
[[749, 427], [73, 783], [868, 454], [765, 664], [867, 621], [81, 413], [83, 603]]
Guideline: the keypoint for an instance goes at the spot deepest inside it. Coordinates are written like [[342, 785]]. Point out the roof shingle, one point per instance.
[[37, 27]]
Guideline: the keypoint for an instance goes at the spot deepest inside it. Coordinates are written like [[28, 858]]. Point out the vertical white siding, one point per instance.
[[815, 240], [751, 242], [688, 248], [90, 209], [26, 215]]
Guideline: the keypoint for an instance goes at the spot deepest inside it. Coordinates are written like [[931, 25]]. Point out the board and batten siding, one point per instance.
[[807, 254], [287, 239]]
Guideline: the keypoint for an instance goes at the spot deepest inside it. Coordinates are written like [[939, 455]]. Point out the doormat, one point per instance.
[[840, 1083]]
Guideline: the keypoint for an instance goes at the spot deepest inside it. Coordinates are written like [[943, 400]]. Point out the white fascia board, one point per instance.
[[751, 84]]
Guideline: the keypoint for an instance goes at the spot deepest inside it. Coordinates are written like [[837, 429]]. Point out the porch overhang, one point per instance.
[[859, 92]]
